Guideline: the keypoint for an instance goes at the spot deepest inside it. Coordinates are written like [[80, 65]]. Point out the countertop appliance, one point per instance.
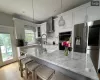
[[93, 46], [65, 36], [19, 42], [80, 38]]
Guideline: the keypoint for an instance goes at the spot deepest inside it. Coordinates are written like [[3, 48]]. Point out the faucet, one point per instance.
[[44, 49]]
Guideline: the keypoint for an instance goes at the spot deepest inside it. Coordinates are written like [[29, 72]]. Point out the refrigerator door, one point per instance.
[[80, 41], [93, 42], [94, 54]]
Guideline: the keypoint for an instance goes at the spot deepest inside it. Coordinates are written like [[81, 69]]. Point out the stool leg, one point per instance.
[[21, 68], [33, 75], [51, 76], [19, 64], [26, 73]]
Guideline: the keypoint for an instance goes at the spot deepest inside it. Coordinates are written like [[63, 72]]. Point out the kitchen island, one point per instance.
[[72, 67]]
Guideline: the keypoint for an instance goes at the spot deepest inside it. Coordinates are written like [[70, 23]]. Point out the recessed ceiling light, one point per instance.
[[23, 11], [54, 10]]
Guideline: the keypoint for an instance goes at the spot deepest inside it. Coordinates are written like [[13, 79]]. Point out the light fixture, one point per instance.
[[33, 15], [61, 20]]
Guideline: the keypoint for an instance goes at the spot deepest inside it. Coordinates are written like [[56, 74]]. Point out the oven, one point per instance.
[[65, 36]]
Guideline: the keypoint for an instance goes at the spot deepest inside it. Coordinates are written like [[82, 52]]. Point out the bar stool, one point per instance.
[[44, 73], [23, 60], [30, 67], [60, 76]]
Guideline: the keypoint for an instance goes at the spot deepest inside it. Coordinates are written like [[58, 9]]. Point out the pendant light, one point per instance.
[[34, 29], [61, 20]]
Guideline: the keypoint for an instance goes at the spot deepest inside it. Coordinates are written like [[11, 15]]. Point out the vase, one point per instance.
[[66, 51]]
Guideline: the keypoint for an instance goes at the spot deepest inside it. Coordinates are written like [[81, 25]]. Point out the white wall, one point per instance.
[[6, 19]]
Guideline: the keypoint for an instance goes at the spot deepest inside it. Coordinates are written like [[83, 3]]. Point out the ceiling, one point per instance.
[[43, 9]]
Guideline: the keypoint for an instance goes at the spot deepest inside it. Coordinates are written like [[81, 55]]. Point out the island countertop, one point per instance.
[[76, 64]]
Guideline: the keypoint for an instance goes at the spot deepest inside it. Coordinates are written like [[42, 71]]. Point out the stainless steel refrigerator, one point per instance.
[[80, 38], [93, 42]]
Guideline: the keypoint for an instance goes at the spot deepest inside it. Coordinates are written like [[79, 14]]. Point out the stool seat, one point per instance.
[[44, 72], [31, 66], [60, 76], [22, 57], [26, 60]]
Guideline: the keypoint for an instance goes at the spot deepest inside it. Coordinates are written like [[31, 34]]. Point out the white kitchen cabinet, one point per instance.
[[68, 21], [79, 16], [38, 32], [93, 13], [43, 28], [68, 17], [56, 27]]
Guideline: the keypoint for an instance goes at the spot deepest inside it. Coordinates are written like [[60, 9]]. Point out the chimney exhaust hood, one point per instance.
[[50, 25]]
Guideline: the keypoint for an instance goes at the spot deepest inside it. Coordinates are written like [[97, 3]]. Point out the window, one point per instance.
[[29, 36]]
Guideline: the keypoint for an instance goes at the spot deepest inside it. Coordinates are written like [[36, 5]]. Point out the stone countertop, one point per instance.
[[76, 64]]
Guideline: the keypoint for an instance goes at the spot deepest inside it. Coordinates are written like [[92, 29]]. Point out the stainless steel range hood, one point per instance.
[[50, 25]]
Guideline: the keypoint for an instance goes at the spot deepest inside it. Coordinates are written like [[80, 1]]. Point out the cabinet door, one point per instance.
[[38, 32], [93, 13], [43, 28], [79, 16], [68, 19], [79, 35], [56, 27], [68, 22]]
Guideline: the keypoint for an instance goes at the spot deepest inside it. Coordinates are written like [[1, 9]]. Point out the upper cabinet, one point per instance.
[[43, 28], [38, 32], [68, 17], [93, 13], [79, 16]]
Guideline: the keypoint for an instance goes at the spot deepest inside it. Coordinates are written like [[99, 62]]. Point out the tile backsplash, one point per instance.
[[51, 38]]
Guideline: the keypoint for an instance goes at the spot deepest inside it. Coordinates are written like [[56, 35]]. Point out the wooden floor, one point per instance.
[[99, 76], [10, 72]]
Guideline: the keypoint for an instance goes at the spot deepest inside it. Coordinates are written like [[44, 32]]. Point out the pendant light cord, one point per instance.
[[61, 20], [33, 9], [61, 6]]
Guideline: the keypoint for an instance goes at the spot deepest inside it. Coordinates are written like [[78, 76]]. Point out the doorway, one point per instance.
[[7, 45]]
